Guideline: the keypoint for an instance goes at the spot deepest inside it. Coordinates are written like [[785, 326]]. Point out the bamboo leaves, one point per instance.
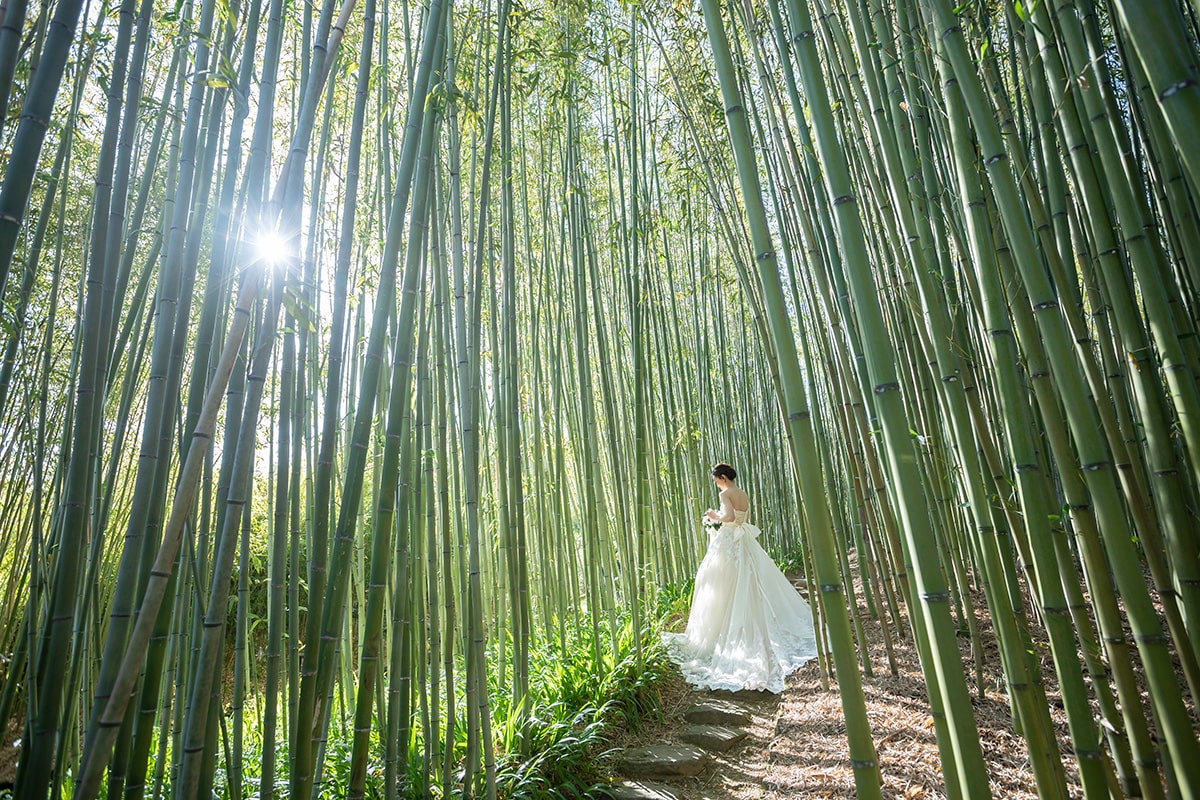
[[927, 272]]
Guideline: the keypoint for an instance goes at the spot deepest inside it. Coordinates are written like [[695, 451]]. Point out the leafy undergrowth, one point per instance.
[[584, 692], [581, 697]]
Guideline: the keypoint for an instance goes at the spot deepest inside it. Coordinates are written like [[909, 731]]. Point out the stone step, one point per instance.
[[641, 790], [646, 790], [662, 760], [753, 698], [717, 712], [713, 738]]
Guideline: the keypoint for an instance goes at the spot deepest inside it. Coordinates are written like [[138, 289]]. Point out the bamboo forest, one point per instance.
[[365, 361]]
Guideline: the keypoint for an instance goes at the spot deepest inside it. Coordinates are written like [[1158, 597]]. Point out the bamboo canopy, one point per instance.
[[364, 362]]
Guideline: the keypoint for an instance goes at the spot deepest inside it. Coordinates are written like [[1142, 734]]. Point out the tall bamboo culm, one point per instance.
[[363, 365]]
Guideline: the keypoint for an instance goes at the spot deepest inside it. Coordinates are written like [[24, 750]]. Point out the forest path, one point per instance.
[[796, 742], [710, 745], [739, 758]]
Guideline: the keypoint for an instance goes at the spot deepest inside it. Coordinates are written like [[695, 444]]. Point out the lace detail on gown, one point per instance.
[[748, 627]]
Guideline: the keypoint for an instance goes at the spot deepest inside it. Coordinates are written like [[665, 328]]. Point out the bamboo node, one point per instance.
[[829, 588], [1178, 86], [1025, 467], [802, 35], [856, 764], [1045, 304], [1093, 754], [884, 388], [995, 159], [1150, 638], [843, 198], [1096, 466], [935, 597], [1113, 639]]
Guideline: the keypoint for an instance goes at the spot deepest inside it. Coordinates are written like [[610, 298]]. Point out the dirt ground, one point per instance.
[[797, 745], [9, 753]]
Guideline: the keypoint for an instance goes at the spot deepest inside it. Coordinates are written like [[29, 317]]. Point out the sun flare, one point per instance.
[[270, 247]]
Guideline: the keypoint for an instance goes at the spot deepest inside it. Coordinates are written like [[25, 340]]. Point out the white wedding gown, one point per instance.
[[748, 628]]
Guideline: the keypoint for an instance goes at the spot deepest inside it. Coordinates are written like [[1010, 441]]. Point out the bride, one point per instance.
[[748, 627]]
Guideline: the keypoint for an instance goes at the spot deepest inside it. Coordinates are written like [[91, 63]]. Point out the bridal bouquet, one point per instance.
[[711, 526]]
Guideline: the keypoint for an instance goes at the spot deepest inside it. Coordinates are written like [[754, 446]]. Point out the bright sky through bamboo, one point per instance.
[[270, 247]]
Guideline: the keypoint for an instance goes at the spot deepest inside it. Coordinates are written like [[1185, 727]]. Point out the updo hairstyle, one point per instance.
[[724, 471]]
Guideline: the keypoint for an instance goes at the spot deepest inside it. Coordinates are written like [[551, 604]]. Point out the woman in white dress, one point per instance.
[[748, 627]]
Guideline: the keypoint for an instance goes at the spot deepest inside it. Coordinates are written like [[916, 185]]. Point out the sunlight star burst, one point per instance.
[[270, 247]]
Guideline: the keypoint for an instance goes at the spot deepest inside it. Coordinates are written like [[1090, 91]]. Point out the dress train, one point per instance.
[[748, 627]]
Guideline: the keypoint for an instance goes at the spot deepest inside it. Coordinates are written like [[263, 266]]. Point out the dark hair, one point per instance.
[[724, 471]]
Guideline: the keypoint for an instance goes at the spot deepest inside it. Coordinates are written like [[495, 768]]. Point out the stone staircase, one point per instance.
[[712, 725]]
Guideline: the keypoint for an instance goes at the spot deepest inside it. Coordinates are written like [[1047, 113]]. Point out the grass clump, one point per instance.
[[576, 706]]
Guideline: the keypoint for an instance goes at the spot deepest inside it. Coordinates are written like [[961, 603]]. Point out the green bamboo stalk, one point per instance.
[[316, 670], [31, 130], [1093, 458], [151, 484], [1148, 264], [863, 760], [1156, 34], [96, 757], [397, 452]]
